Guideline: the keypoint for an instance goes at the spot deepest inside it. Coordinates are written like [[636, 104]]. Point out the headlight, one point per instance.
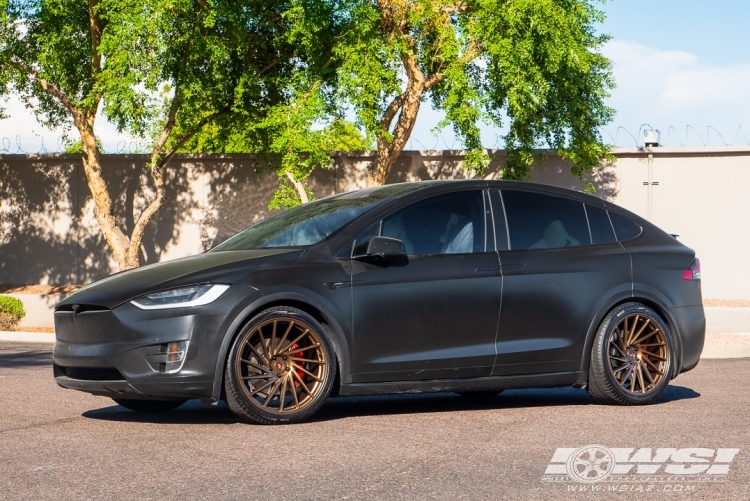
[[184, 297]]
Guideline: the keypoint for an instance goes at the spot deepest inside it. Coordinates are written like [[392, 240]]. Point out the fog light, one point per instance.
[[175, 352]]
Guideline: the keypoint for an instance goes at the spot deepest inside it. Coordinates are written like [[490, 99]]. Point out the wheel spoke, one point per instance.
[[294, 395], [649, 354], [272, 344], [263, 345], [645, 370], [292, 343], [628, 375], [650, 345], [658, 370], [303, 348], [302, 383], [306, 360], [272, 393], [257, 353], [621, 368], [283, 338], [261, 388], [622, 353], [637, 335], [308, 373], [282, 394], [632, 330], [623, 360], [257, 376], [256, 366]]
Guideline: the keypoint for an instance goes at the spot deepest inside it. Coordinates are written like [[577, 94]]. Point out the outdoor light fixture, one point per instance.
[[652, 137]]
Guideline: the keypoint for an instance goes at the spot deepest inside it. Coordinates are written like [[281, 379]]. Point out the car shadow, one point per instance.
[[195, 412]]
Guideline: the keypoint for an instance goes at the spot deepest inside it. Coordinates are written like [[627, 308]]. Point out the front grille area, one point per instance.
[[89, 373]]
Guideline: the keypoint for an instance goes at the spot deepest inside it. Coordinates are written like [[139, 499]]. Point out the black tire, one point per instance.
[[617, 354], [254, 404], [149, 405], [479, 394]]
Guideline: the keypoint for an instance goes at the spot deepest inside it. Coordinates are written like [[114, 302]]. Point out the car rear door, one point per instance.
[[555, 279], [434, 315]]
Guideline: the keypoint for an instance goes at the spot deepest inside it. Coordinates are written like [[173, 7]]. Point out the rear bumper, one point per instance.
[[691, 327]]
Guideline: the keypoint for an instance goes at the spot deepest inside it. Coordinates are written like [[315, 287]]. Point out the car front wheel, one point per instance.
[[280, 369], [632, 357]]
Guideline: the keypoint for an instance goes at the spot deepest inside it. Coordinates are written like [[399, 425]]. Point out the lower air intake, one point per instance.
[[90, 373]]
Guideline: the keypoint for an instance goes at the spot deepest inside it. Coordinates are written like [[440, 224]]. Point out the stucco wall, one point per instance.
[[48, 234]]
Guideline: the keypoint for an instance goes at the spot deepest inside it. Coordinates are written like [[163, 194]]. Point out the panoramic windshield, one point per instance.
[[310, 223]]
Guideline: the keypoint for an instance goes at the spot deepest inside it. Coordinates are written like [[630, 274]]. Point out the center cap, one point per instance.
[[632, 354], [278, 366]]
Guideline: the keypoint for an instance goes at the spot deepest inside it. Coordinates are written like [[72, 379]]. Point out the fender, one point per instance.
[[638, 295], [338, 339]]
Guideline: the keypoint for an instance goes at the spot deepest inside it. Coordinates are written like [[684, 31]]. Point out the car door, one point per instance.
[[554, 280], [435, 314]]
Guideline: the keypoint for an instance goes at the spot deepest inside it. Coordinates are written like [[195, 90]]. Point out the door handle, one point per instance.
[[481, 269]]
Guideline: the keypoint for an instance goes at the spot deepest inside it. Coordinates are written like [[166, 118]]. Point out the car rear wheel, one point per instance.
[[149, 405], [632, 357], [280, 369]]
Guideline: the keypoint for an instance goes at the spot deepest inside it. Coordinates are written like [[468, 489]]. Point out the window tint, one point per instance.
[[537, 221], [601, 228], [624, 228], [447, 224]]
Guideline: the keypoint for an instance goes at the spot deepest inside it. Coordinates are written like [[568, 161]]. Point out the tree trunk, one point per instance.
[[408, 105], [116, 239], [299, 187]]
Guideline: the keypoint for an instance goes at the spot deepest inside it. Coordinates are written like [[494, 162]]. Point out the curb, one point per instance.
[[27, 337]]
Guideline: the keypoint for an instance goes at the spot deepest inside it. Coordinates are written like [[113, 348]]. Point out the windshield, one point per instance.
[[310, 223]]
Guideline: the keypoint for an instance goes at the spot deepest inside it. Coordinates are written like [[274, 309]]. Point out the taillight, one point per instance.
[[694, 272]]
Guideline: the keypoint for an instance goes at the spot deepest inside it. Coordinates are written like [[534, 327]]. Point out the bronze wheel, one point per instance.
[[637, 354], [631, 359], [280, 368]]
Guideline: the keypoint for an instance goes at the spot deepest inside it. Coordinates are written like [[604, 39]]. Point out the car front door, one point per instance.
[[434, 315], [554, 280]]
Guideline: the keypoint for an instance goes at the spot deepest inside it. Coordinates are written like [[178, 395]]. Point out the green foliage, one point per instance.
[[534, 66], [77, 147], [13, 307]]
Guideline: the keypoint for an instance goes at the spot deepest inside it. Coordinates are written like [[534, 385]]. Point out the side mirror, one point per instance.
[[384, 249]]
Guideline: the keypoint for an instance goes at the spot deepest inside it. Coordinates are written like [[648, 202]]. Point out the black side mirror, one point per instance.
[[384, 249]]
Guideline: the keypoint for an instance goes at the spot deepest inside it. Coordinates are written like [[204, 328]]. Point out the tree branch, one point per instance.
[[48, 87]]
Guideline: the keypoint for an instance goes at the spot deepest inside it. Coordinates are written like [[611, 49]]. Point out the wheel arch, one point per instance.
[[646, 299], [294, 300]]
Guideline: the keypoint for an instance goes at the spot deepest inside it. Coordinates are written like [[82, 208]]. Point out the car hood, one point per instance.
[[222, 267]]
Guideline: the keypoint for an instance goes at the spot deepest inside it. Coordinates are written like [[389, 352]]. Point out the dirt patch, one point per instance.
[[39, 289]]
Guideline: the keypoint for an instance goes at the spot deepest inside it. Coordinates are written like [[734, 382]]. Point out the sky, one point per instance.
[[681, 66]]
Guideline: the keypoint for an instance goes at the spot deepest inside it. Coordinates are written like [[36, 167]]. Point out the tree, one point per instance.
[[160, 70], [533, 64]]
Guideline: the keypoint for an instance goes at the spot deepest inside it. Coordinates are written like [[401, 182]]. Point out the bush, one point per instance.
[[11, 312]]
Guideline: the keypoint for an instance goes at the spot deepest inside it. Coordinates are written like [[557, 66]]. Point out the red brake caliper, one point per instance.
[[297, 354]]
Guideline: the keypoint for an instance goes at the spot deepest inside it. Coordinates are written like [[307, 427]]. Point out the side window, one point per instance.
[[601, 228], [538, 221], [624, 228], [446, 224]]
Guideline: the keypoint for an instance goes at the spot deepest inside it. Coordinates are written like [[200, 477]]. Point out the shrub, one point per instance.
[[11, 312]]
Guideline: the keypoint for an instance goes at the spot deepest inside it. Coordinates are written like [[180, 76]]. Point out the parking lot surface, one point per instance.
[[62, 444]]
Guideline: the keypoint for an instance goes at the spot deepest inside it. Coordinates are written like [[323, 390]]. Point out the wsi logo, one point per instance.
[[596, 463]]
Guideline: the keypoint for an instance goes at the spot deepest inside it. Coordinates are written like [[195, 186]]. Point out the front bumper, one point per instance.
[[116, 353]]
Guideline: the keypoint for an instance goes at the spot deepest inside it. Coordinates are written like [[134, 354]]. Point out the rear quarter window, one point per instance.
[[624, 228]]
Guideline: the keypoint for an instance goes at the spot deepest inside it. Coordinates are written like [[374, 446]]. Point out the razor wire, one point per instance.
[[620, 137]]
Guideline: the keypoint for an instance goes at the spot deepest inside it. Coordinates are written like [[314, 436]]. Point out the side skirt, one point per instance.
[[549, 380]]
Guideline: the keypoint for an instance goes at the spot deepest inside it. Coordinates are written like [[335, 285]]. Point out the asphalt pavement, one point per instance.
[[62, 444]]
